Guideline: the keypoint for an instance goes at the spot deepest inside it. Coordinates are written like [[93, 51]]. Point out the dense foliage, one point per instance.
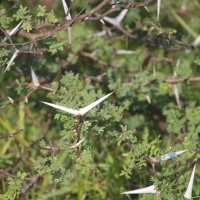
[[150, 63]]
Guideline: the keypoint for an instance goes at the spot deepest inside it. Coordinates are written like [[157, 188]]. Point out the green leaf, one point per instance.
[[53, 48], [27, 26], [197, 61], [41, 10], [51, 17], [21, 13]]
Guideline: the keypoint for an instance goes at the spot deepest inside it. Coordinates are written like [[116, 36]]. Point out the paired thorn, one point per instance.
[[68, 17], [11, 60], [35, 80], [188, 193], [117, 20], [158, 9], [171, 155], [147, 190], [79, 112]]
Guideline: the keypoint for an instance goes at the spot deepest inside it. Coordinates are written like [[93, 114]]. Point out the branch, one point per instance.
[[45, 24], [30, 184], [11, 135], [33, 37], [140, 4], [178, 80], [66, 24], [5, 174], [93, 58], [93, 11], [170, 81]]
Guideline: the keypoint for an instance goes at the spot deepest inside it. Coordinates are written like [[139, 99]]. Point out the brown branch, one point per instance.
[[30, 184], [43, 25], [93, 58], [5, 174], [44, 34], [178, 80], [158, 59], [140, 4], [77, 19], [34, 178], [170, 81], [99, 78], [33, 37], [25, 98], [12, 134], [14, 6], [93, 11], [62, 25], [78, 124]]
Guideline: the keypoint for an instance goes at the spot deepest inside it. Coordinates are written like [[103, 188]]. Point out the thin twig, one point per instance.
[[178, 80], [30, 184], [11, 135], [186, 167]]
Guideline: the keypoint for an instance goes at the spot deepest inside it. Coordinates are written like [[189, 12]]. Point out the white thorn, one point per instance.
[[196, 41], [15, 29], [158, 8], [176, 93], [11, 100], [65, 109], [148, 98], [117, 20], [146, 8], [66, 9], [77, 144], [101, 20], [121, 15], [102, 33], [26, 100], [68, 17], [175, 88], [92, 105], [127, 52], [35, 80], [171, 155], [70, 35], [178, 63], [12, 59], [81, 111], [147, 190], [188, 193], [154, 70]]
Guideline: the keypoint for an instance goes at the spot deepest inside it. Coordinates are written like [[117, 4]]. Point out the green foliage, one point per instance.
[[51, 166], [183, 71], [53, 48], [175, 119], [4, 21], [84, 163], [3, 56], [51, 17], [140, 150], [27, 25], [197, 61], [22, 13], [41, 10], [124, 137], [14, 187], [141, 81], [53, 45]]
